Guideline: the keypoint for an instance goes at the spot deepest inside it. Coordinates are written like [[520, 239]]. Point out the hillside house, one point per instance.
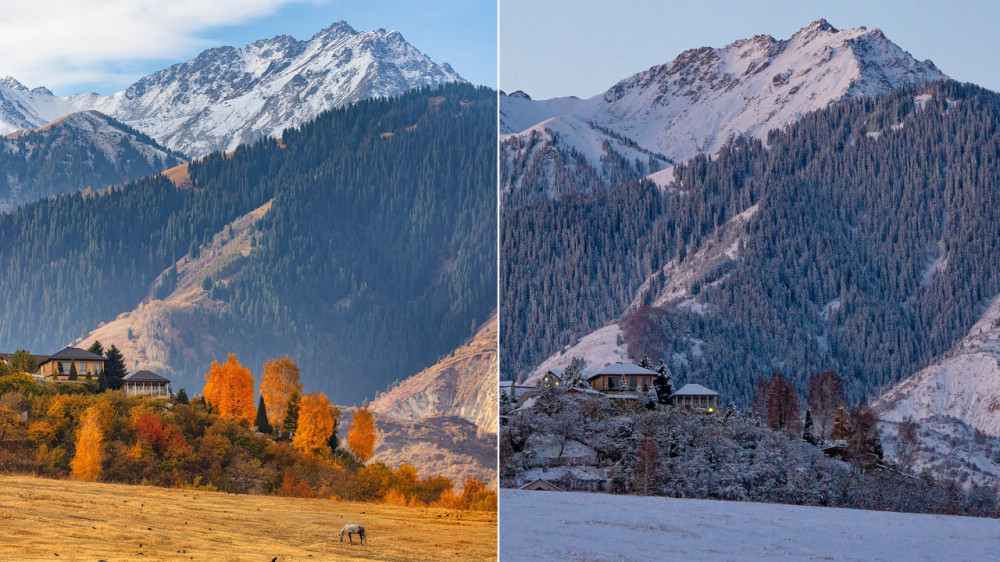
[[695, 397], [620, 378], [609, 379], [147, 383], [59, 365]]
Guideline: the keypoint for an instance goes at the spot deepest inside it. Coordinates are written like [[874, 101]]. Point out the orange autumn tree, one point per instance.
[[361, 437], [86, 464], [317, 420], [229, 390], [279, 381]]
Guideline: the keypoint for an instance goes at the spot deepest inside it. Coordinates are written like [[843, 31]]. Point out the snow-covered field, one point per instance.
[[582, 526]]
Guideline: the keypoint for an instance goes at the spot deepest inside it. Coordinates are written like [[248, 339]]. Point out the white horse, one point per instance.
[[350, 531]]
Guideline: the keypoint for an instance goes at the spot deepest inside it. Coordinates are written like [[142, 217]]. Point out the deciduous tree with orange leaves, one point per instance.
[[229, 389], [279, 381], [361, 437], [86, 464], [317, 420]]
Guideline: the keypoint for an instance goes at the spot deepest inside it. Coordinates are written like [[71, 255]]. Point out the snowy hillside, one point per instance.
[[697, 102], [964, 384], [227, 96], [582, 526]]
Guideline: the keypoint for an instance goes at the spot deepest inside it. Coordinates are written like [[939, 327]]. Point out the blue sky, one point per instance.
[[104, 45], [552, 48]]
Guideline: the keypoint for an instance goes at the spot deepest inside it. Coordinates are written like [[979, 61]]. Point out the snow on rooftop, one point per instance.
[[692, 389]]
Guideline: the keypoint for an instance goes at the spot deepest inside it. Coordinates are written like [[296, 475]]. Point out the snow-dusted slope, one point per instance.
[[964, 384], [581, 526], [705, 96], [227, 96]]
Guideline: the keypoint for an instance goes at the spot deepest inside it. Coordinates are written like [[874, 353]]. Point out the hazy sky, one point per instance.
[[72, 46], [552, 48]]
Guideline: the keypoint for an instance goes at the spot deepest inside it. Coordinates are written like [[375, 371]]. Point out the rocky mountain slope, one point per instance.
[[164, 328], [462, 384], [228, 96], [85, 149], [692, 105], [963, 384], [447, 446]]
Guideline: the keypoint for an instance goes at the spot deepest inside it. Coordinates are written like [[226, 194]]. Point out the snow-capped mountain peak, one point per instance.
[[231, 95], [704, 97]]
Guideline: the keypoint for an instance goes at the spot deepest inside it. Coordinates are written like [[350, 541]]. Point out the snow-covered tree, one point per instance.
[[807, 432], [573, 375], [664, 383]]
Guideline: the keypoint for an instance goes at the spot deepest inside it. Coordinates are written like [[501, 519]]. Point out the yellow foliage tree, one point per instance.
[[317, 420], [279, 381], [86, 464], [361, 437], [229, 390]]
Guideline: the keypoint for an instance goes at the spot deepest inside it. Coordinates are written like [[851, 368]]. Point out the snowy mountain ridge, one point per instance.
[[84, 149], [228, 96], [706, 96]]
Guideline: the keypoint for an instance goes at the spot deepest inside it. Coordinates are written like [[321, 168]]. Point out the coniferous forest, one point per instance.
[[62, 158], [870, 251], [377, 256]]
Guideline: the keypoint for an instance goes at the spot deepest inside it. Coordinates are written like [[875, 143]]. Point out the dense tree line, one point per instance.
[[377, 257], [868, 255], [66, 431], [731, 455]]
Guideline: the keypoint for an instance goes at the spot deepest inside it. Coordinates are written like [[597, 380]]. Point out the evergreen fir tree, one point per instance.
[[645, 363], [102, 381], [807, 432], [96, 348], [181, 397], [114, 368], [291, 420], [664, 383], [652, 398], [72, 371], [334, 441], [261, 420], [573, 376], [730, 412]]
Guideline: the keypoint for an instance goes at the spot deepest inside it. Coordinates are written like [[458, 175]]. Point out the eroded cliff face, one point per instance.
[[463, 384]]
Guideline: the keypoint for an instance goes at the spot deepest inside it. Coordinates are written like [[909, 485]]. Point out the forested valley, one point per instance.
[[869, 251], [376, 258]]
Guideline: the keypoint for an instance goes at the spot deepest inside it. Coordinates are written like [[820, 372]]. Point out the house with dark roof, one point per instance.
[[620, 378], [695, 397], [148, 383], [58, 365]]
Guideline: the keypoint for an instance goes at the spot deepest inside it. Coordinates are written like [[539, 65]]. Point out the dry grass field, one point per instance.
[[43, 519]]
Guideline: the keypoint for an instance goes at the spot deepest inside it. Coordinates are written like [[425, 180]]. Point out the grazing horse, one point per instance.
[[350, 531]]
